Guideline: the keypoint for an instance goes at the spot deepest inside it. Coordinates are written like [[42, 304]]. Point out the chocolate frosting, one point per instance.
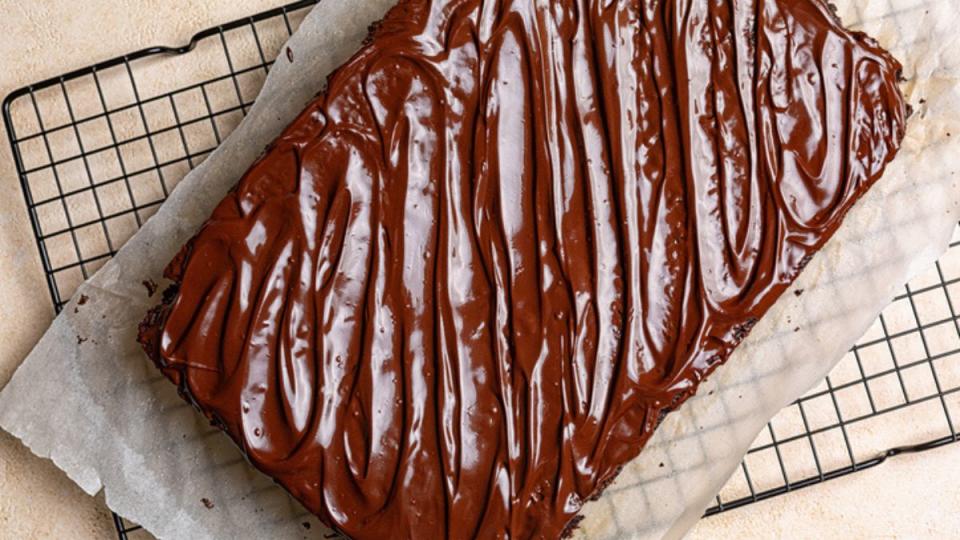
[[462, 289]]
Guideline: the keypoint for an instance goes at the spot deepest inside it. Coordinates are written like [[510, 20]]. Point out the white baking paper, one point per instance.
[[104, 415]]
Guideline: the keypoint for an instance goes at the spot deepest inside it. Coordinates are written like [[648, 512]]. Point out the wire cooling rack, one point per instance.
[[98, 149]]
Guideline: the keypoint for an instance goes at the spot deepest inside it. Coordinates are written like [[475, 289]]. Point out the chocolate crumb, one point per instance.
[[80, 340], [571, 527], [661, 464], [306, 525], [170, 293], [207, 502], [797, 329], [798, 292], [371, 30], [290, 55], [82, 300], [151, 286], [740, 331]]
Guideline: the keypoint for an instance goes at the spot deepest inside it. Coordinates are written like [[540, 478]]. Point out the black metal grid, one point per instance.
[[98, 149], [905, 371]]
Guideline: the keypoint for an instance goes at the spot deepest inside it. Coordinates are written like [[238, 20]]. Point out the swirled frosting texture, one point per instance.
[[460, 291]]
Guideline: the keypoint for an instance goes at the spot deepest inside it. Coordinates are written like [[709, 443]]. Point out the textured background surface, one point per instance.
[[910, 496]]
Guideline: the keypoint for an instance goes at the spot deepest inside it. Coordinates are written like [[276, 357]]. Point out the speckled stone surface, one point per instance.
[[911, 496]]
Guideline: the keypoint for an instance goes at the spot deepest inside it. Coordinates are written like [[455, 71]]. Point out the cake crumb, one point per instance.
[[289, 55], [82, 300], [80, 340], [151, 286], [306, 525], [798, 292], [207, 502]]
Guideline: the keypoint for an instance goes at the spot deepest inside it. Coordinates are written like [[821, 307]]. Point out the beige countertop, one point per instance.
[[908, 497]]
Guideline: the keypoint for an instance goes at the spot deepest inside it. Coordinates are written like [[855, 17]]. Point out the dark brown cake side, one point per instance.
[[460, 291]]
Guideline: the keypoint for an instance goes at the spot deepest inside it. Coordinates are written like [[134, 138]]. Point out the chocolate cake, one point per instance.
[[461, 290]]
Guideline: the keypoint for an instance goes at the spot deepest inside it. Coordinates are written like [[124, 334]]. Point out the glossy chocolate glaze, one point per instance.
[[463, 287]]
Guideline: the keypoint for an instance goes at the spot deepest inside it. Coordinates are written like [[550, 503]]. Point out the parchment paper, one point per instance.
[[104, 415]]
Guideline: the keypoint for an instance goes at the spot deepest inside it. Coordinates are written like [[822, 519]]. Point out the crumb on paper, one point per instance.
[[306, 525], [289, 55], [798, 292], [80, 340], [661, 464], [151, 286], [207, 502], [82, 300], [740, 331]]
